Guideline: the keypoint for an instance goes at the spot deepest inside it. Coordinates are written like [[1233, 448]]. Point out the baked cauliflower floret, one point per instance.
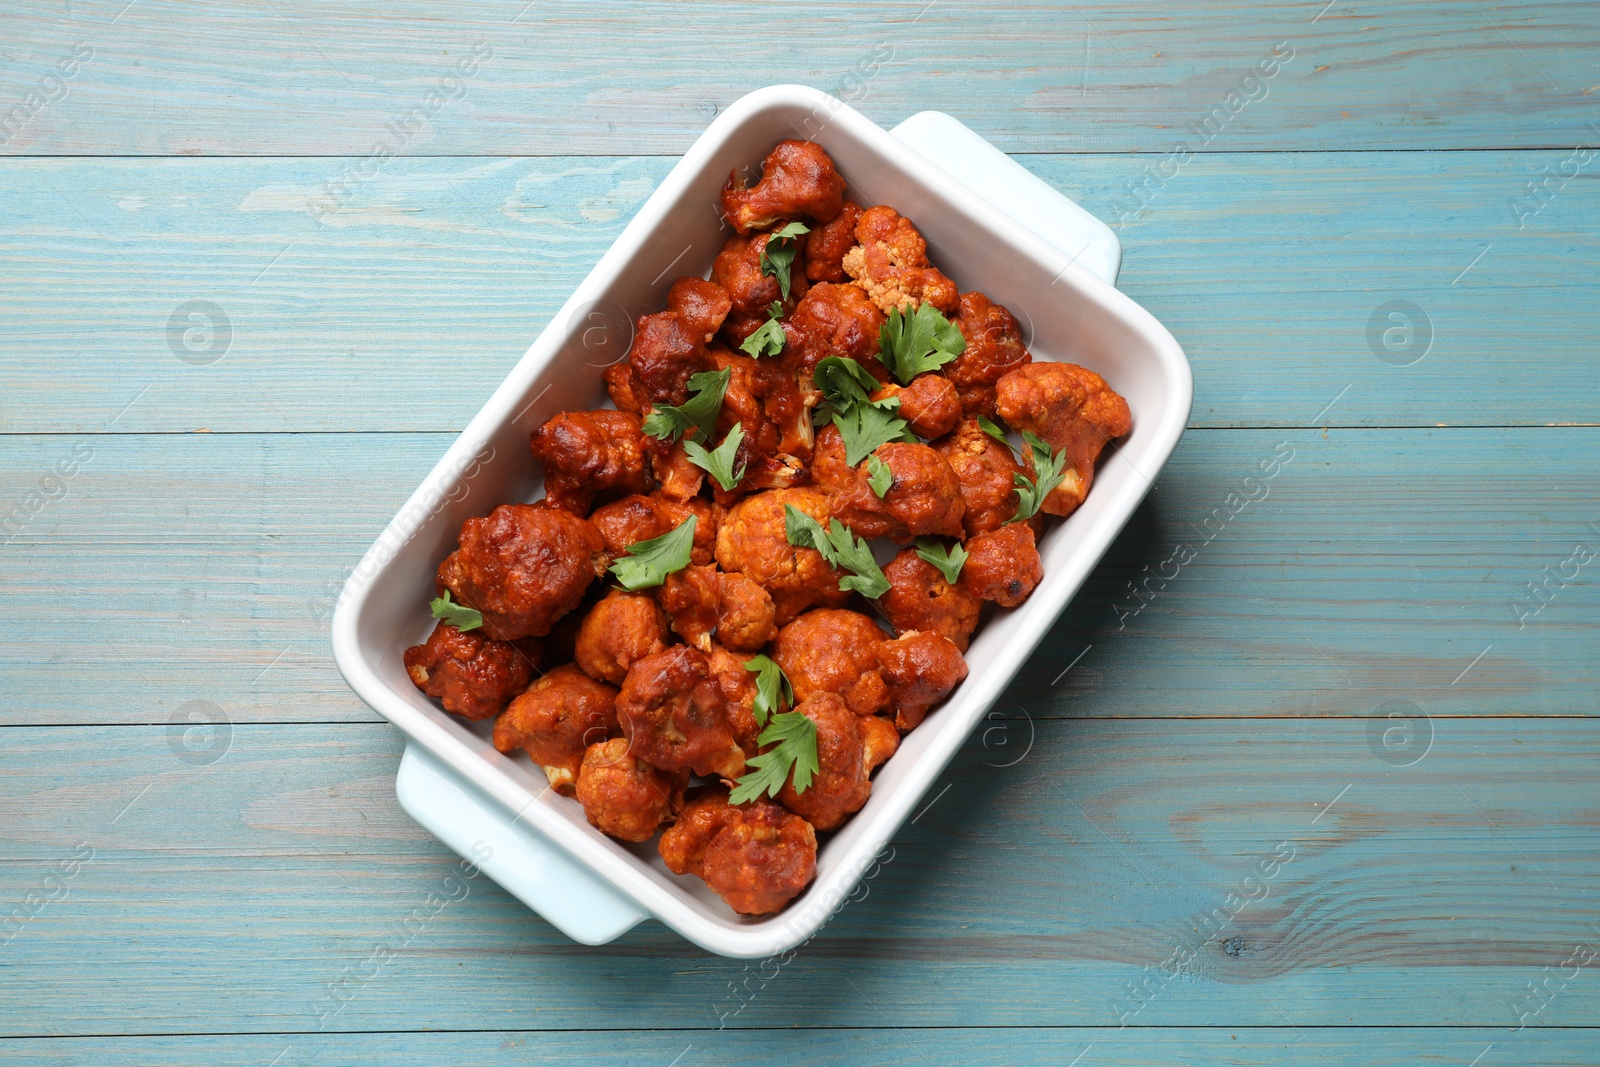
[[1002, 565], [666, 353], [987, 473], [797, 178], [921, 669], [753, 541], [620, 630], [639, 518], [622, 795], [826, 245], [471, 675], [1071, 408], [703, 601], [586, 454], [994, 347], [929, 404], [756, 856], [920, 599], [833, 320], [556, 720], [523, 566], [849, 748], [890, 263], [701, 305], [738, 687], [671, 711], [923, 497], [834, 651]]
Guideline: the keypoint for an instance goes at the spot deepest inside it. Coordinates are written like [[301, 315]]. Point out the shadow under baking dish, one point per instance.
[[1073, 316]]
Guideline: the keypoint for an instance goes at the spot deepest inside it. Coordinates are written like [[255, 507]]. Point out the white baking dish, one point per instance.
[[1053, 270]]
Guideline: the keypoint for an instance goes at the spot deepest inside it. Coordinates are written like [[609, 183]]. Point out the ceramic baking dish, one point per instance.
[[991, 225]]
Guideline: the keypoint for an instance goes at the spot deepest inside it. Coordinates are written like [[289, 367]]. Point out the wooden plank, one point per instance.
[[301, 78], [1376, 567], [408, 307], [1178, 1047], [250, 894]]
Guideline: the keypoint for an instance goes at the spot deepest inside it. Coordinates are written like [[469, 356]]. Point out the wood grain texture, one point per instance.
[[294, 77], [1376, 567], [250, 893], [1177, 1047], [404, 309]]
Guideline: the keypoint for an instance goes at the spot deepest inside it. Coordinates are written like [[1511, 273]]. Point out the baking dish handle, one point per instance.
[[529, 867], [1015, 190]]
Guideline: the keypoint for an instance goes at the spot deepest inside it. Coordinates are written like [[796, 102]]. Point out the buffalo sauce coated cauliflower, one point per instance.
[[797, 178], [1074, 410], [469, 674], [819, 610], [891, 264], [556, 720], [757, 856], [753, 540]]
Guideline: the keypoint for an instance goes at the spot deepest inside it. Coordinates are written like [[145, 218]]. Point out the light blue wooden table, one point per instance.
[[1326, 796]]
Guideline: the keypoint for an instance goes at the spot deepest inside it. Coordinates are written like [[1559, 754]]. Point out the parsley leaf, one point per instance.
[[719, 461], [769, 338], [667, 422], [841, 548], [843, 382], [915, 343], [866, 426], [794, 741], [879, 477], [996, 431], [773, 690], [648, 563], [460, 616], [948, 559], [776, 261], [1047, 474]]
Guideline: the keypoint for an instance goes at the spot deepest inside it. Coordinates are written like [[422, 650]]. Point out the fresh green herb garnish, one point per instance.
[[773, 690], [460, 616], [879, 477], [947, 559], [1047, 474], [769, 338], [918, 342], [996, 431], [718, 462], [667, 422], [648, 563], [866, 426], [776, 261], [794, 741], [841, 548], [843, 382]]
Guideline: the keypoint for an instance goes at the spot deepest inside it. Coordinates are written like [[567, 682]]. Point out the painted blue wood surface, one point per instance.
[[1446, 862]]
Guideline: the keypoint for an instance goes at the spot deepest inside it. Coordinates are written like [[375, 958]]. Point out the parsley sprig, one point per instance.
[[793, 738], [769, 338], [773, 690], [863, 422], [460, 616], [918, 342], [1047, 474], [668, 422], [718, 462], [648, 563], [842, 550], [947, 559], [777, 257]]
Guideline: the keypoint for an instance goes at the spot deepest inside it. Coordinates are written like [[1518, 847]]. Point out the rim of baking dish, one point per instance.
[[760, 937]]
